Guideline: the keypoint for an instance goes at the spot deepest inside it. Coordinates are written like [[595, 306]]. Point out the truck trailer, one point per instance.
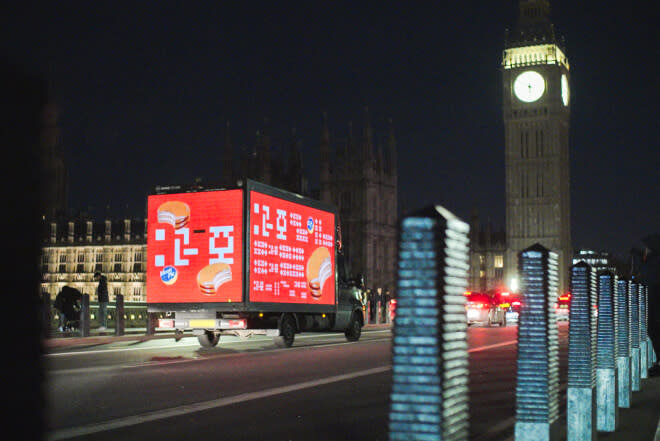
[[248, 260]]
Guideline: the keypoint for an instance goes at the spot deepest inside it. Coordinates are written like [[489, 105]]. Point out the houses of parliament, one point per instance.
[[357, 174]]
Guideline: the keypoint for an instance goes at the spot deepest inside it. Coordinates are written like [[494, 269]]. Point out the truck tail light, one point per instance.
[[237, 324], [166, 323]]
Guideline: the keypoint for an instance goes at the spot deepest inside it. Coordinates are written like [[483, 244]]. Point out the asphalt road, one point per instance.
[[323, 388]]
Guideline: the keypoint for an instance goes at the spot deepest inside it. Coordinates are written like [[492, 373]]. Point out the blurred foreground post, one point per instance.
[[624, 390], [537, 390], [606, 376], [581, 392], [429, 399], [643, 348], [634, 335]]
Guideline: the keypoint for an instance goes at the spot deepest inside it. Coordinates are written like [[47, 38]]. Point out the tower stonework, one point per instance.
[[536, 112], [361, 180]]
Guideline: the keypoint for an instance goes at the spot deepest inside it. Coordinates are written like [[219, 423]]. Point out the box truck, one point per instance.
[[248, 260]]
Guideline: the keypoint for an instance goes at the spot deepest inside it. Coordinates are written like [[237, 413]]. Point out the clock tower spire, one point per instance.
[[536, 113]]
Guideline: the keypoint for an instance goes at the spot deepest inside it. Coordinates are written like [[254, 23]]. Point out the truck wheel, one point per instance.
[[287, 333], [354, 330], [208, 339]]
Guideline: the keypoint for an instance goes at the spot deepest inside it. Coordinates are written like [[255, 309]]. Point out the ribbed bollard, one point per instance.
[[650, 354], [429, 399], [606, 376], [643, 348], [623, 346], [634, 335], [581, 391], [85, 315], [120, 323], [537, 390]]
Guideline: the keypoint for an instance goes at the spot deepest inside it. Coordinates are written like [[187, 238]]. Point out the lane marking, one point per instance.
[[497, 345], [185, 345], [204, 405]]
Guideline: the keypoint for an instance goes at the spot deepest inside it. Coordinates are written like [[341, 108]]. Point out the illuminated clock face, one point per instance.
[[564, 90], [529, 86]]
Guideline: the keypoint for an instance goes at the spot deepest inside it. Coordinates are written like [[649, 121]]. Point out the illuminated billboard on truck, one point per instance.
[[292, 254], [195, 247]]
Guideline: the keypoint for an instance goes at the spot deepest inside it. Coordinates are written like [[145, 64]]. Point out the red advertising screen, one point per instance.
[[194, 247], [292, 254]]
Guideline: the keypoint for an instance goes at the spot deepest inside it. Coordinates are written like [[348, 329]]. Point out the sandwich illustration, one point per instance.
[[319, 269], [175, 213], [212, 276]]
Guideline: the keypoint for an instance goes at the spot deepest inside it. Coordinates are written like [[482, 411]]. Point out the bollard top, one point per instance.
[[439, 212], [581, 264], [536, 248]]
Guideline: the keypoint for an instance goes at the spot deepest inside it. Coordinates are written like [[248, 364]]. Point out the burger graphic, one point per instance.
[[212, 276], [319, 269], [175, 213]]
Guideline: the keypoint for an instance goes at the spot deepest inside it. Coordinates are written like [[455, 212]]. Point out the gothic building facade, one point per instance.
[[356, 175]]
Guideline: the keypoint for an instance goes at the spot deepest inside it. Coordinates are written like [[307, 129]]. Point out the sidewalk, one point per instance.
[[641, 422]]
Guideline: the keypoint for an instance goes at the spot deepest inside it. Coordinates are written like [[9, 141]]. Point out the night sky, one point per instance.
[[145, 88]]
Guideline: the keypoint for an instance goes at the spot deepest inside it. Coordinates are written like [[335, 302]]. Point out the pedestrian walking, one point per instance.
[[102, 297]]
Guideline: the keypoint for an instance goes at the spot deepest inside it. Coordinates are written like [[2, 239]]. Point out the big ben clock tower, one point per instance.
[[536, 111]]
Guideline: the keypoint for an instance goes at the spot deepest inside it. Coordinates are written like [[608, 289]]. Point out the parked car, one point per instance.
[[484, 309]]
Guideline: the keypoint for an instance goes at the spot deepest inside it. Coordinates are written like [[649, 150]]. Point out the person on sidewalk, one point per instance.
[[102, 297], [67, 304]]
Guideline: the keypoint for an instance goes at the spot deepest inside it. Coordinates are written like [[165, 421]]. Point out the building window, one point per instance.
[[117, 268], [137, 267], [62, 268], [482, 259], [499, 261], [137, 257], [63, 258], [482, 274], [117, 257], [99, 258], [116, 291], [80, 268], [98, 267], [45, 259], [81, 258]]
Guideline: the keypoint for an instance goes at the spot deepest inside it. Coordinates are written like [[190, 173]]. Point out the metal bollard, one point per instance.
[[643, 349], [120, 323], [634, 335], [378, 312], [581, 392], [606, 376], [537, 390], [650, 360], [429, 398], [623, 345], [84, 316], [152, 323], [46, 320]]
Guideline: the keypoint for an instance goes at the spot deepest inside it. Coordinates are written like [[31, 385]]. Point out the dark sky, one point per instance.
[[144, 89]]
